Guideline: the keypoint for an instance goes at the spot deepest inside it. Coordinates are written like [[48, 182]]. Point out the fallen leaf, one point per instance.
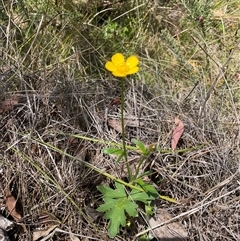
[[177, 133], [9, 103], [11, 202], [172, 231], [92, 213], [115, 101], [115, 124], [43, 233]]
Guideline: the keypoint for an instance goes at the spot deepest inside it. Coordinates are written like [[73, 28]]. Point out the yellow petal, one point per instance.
[[118, 74], [132, 61], [110, 66], [133, 70], [117, 59]]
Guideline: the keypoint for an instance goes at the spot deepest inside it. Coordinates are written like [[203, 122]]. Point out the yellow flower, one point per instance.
[[121, 68]]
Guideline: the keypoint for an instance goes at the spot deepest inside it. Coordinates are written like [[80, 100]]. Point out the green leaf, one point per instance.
[[131, 208], [140, 196], [113, 151], [141, 146], [109, 203], [120, 156], [149, 209], [148, 188], [116, 218], [116, 214], [116, 205], [112, 193]]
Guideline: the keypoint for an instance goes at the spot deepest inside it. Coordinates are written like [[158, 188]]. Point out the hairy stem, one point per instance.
[[123, 129]]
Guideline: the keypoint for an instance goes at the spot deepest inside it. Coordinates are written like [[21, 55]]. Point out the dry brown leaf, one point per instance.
[[43, 233], [11, 202], [92, 213], [115, 101], [115, 124], [177, 133], [132, 123], [9, 103], [172, 231]]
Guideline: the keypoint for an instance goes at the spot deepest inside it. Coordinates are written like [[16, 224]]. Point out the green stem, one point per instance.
[[138, 167], [123, 129]]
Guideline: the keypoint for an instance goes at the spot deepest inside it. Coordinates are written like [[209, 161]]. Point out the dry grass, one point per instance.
[[62, 90]]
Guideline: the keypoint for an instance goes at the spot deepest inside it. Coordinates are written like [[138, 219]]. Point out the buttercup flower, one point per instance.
[[121, 68]]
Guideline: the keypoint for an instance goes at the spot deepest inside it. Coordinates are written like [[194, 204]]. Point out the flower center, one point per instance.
[[123, 68]]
